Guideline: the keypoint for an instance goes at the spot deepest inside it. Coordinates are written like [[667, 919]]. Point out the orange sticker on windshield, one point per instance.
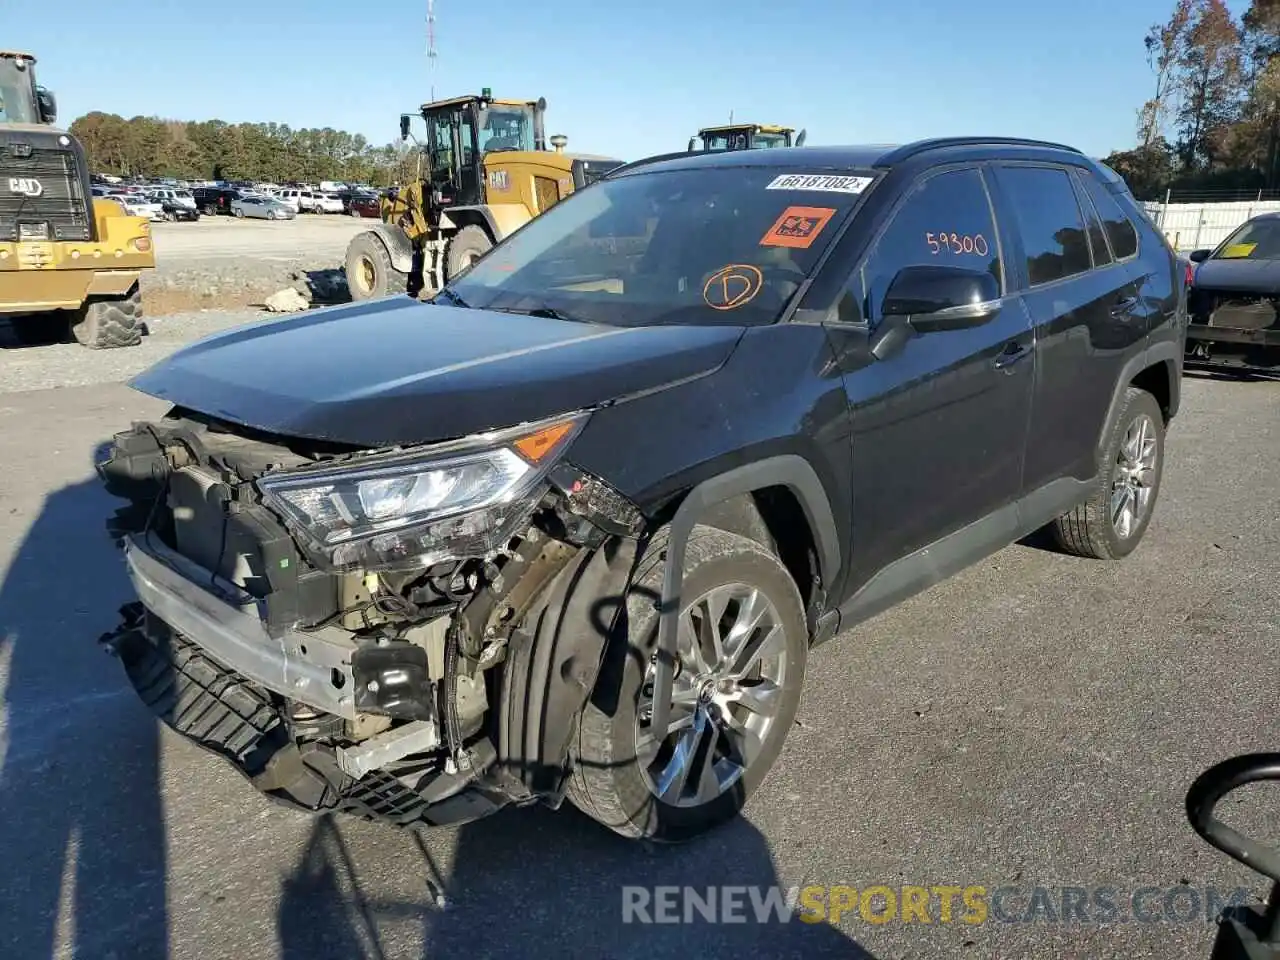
[[733, 286], [797, 227]]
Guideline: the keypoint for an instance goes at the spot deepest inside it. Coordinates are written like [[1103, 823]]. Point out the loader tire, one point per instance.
[[370, 273], [109, 323], [467, 246]]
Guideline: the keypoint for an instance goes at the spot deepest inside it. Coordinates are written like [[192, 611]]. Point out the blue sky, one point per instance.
[[622, 79]]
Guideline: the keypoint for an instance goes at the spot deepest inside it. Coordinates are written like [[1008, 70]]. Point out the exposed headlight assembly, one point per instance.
[[408, 510]]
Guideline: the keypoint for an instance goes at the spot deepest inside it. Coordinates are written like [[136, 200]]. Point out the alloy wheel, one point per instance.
[[1133, 481], [726, 695]]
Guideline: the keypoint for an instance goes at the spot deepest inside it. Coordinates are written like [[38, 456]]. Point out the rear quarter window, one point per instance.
[[1121, 233]]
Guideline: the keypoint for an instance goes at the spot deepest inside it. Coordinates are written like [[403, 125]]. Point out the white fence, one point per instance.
[[1196, 226]]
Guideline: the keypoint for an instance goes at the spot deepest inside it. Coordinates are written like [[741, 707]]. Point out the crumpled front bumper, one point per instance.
[[204, 664]]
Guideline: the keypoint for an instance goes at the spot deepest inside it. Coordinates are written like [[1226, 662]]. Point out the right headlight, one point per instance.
[[405, 511]]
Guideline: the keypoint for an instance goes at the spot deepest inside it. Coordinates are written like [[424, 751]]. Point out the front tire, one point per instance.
[[370, 273], [107, 324], [467, 246], [731, 712], [1111, 523]]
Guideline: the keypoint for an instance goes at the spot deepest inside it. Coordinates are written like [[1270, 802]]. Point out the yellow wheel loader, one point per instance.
[[485, 171], [69, 264], [746, 136]]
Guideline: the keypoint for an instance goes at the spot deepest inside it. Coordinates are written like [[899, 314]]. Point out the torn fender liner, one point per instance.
[[553, 662]]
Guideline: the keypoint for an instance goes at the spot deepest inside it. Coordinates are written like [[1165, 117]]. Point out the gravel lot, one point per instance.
[[1035, 720]]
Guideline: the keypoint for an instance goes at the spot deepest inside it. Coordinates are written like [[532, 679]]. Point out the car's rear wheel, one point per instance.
[[742, 645], [1111, 523]]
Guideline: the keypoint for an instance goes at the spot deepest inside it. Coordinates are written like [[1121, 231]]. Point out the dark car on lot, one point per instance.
[[572, 527], [363, 205], [1234, 302], [215, 200], [173, 210]]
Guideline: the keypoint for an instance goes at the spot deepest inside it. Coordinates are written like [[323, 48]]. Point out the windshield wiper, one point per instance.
[[550, 313], [452, 297]]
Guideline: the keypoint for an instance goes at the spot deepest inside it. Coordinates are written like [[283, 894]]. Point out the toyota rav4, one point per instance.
[[572, 528]]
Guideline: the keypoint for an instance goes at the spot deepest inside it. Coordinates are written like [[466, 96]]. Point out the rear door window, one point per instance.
[[1120, 231], [1049, 221]]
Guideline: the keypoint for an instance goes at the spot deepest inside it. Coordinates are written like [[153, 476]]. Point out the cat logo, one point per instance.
[[26, 186], [499, 180]]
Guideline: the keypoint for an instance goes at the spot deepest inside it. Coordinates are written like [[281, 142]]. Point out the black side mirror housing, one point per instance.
[[47, 105], [800, 138], [692, 140], [933, 298], [404, 126], [1199, 256]]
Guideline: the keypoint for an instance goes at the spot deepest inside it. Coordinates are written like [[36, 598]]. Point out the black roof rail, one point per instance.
[[647, 160], [909, 150]]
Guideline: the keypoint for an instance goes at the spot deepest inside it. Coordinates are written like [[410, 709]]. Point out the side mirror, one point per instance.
[[691, 142], [933, 298], [404, 126], [800, 138], [1199, 256], [47, 105]]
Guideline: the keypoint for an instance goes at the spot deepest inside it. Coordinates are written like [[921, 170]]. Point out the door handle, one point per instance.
[[1012, 353], [1123, 307]]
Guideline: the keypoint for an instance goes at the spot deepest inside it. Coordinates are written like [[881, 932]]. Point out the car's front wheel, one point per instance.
[[742, 645]]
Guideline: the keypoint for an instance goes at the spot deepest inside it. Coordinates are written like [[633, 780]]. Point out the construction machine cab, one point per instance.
[[486, 170], [22, 100], [745, 136]]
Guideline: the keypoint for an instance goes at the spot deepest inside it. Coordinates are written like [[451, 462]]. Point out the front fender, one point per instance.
[[552, 664], [399, 248]]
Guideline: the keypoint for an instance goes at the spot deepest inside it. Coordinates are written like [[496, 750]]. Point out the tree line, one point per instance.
[[1212, 120], [216, 150]]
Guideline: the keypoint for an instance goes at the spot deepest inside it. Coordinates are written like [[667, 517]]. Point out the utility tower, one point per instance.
[[431, 44]]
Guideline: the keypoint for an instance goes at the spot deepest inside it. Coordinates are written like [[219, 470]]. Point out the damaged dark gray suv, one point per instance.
[[573, 527]]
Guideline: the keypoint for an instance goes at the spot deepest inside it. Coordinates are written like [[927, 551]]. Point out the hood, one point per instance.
[[1239, 276], [396, 371]]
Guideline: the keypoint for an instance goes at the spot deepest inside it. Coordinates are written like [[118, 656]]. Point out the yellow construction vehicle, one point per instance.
[[69, 264], [485, 171], [746, 136]]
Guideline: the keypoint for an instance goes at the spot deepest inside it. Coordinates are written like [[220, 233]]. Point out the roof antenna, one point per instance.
[[731, 118]]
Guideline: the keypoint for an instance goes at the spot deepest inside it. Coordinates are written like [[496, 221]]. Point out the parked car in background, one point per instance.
[[139, 205], [329, 203], [175, 194], [364, 205], [261, 208], [301, 200], [1234, 300], [215, 200], [175, 210]]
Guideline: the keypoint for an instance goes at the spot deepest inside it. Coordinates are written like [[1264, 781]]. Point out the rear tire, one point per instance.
[[107, 324], [370, 273], [610, 782], [468, 245], [1129, 480]]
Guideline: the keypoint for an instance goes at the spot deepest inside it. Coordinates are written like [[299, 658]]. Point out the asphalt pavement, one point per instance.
[[1032, 722]]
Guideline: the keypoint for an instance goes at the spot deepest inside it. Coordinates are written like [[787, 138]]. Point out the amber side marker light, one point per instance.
[[536, 446]]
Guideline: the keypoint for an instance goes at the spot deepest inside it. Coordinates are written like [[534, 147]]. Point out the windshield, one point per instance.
[[710, 246], [505, 128], [767, 141], [17, 93], [726, 140], [1258, 240]]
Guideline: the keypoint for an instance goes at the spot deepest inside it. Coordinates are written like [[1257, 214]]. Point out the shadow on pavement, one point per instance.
[[82, 838], [536, 882]]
